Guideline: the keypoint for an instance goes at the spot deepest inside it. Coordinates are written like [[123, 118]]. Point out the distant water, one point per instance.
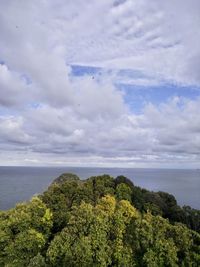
[[21, 183]]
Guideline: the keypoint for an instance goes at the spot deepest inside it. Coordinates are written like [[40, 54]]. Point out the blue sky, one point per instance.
[[102, 83], [137, 96]]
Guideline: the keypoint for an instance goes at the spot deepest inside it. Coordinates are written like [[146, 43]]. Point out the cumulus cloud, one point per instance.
[[163, 135], [48, 115], [13, 87], [11, 131]]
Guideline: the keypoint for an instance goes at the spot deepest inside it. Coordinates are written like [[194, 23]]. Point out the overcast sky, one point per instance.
[[100, 83]]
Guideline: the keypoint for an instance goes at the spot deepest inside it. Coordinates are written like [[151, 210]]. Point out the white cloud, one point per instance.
[[12, 86], [11, 130], [158, 37], [57, 118], [167, 135]]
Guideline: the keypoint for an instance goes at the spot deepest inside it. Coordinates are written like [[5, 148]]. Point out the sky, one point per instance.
[[105, 83]]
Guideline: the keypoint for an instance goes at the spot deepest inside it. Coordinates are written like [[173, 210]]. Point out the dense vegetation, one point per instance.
[[101, 221]]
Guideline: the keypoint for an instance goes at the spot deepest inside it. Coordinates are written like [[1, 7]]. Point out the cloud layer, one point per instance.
[[51, 115]]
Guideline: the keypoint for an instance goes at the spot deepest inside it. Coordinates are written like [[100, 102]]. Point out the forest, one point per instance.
[[100, 221]]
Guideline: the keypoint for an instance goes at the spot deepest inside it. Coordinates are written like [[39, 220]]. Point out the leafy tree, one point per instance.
[[65, 177], [59, 199], [138, 197], [150, 241], [83, 241], [123, 191], [37, 261], [95, 223], [24, 232], [188, 246], [191, 217], [101, 185], [25, 245], [122, 251], [154, 209], [94, 236], [122, 179]]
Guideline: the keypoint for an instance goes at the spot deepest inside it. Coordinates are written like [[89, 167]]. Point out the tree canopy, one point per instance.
[[100, 221]]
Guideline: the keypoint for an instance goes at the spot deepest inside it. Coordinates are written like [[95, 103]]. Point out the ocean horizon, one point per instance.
[[20, 183]]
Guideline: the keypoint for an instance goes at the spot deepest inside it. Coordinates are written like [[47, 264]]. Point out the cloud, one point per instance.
[[11, 131], [124, 34], [13, 88], [164, 135], [51, 115]]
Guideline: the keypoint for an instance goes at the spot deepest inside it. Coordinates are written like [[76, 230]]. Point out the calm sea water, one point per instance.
[[21, 183]]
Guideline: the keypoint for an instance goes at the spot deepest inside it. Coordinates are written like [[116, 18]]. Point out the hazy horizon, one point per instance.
[[96, 166]]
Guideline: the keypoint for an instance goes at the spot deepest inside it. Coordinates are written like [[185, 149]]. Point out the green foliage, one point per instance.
[[138, 198], [59, 199], [101, 185], [158, 248], [24, 232], [123, 191], [99, 222], [62, 195], [86, 241], [37, 261], [187, 243], [25, 246], [154, 209], [191, 217], [122, 179], [67, 190], [65, 177]]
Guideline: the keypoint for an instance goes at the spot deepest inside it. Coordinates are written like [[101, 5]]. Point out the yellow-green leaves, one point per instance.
[[24, 232], [93, 223], [94, 236], [123, 191]]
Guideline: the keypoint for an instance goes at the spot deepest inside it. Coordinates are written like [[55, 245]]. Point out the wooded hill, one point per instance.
[[100, 221]]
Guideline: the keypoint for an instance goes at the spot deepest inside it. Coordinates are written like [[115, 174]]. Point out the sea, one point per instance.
[[18, 184]]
